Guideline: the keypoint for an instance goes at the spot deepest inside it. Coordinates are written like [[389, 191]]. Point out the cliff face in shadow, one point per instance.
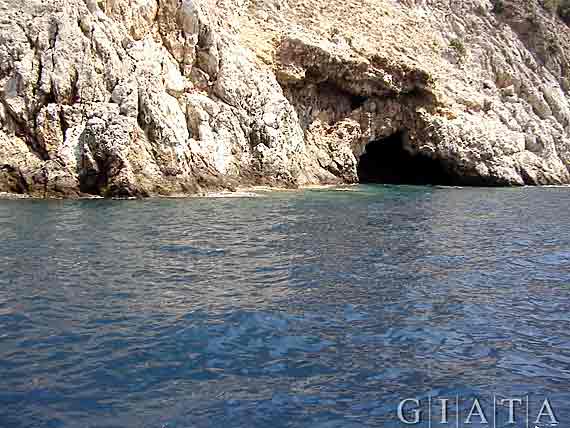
[[148, 97]]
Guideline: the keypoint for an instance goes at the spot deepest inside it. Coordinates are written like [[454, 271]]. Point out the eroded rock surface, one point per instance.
[[146, 97]]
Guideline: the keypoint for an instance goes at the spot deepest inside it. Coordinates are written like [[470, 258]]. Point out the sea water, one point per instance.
[[315, 308]]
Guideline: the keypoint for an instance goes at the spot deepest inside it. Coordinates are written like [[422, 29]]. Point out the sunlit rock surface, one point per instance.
[[139, 97]]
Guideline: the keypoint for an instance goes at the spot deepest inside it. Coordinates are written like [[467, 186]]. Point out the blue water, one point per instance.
[[319, 308]]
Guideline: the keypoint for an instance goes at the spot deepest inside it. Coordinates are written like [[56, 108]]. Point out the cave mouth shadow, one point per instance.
[[386, 161]]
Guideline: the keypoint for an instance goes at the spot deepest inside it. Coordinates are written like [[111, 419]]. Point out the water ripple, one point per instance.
[[316, 308]]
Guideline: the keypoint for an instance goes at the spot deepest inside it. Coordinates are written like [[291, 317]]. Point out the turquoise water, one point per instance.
[[319, 308]]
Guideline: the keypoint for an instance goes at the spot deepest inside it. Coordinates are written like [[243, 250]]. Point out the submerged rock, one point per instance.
[[140, 97]]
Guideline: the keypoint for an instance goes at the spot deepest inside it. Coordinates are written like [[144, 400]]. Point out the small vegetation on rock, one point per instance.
[[459, 47], [551, 5], [564, 10], [560, 7], [498, 6]]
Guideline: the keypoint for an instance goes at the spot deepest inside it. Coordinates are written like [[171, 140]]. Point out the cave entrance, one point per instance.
[[386, 161]]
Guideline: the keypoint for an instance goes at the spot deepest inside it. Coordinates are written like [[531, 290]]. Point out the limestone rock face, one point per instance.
[[145, 97], [136, 98], [465, 85]]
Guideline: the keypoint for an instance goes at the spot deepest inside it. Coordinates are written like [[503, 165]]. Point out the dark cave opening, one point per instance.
[[357, 101], [386, 161]]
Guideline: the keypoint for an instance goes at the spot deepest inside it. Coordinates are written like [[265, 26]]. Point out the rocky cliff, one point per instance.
[[156, 97]]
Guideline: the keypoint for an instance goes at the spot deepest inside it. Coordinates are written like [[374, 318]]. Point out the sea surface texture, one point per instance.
[[317, 308]]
